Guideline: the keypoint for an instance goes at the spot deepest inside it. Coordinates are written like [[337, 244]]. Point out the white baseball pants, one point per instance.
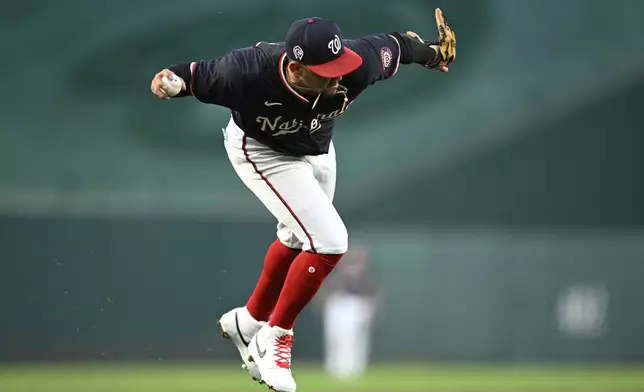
[[298, 191]]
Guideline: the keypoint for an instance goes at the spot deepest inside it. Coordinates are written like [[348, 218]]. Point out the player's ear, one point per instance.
[[295, 68]]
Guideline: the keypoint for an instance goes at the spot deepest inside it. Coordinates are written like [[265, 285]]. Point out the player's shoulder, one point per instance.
[[271, 47], [270, 51], [251, 61], [261, 57]]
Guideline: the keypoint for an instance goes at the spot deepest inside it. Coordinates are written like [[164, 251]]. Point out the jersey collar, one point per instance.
[[282, 63]]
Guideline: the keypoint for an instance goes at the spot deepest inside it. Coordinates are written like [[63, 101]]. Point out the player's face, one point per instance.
[[317, 83]]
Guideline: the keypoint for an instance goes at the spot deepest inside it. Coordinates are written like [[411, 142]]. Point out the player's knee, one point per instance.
[[335, 240]]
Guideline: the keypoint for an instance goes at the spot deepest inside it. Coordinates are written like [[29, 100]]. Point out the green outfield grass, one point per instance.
[[168, 377]]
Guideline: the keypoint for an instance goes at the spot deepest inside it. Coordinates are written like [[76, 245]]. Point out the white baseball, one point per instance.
[[172, 86]]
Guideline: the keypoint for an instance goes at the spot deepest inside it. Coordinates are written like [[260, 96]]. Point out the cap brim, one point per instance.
[[348, 62]]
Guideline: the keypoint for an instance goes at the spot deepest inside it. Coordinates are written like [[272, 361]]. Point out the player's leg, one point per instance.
[[327, 242], [278, 259], [360, 334], [334, 334], [290, 191], [241, 324], [271, 346], [345, 323], [287, 246], [362, 349], [284, 250], [289, 305]]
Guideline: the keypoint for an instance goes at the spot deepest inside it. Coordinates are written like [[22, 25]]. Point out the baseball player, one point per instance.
[[284, 100], [349, 301]]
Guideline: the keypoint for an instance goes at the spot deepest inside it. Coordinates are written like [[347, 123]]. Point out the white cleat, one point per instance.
[[239, 327], [270, 349]]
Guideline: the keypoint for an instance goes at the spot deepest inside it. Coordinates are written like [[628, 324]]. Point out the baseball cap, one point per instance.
[[317, 43]]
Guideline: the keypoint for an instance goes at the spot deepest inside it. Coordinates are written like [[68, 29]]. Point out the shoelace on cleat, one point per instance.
[[283, 346]]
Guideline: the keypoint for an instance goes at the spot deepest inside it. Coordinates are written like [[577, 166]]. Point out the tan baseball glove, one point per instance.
[[445, 45]]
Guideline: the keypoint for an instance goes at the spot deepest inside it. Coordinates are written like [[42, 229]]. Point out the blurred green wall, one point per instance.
[[131, 289], [503, 203]]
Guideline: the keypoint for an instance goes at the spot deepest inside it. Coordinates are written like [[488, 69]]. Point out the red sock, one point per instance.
[[304, 279], [276, 264]]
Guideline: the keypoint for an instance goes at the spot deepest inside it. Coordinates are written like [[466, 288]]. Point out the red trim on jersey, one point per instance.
[[285, 82], [261, 175]]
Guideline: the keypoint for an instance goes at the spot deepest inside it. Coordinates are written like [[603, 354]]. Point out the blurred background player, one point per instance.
[[349, 301]]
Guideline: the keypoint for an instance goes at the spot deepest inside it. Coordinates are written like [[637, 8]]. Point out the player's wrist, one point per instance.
[[417, 51], [437, 57], [183, 71]]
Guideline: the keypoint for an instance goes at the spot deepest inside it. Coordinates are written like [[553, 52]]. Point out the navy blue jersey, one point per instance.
[[252, 83]]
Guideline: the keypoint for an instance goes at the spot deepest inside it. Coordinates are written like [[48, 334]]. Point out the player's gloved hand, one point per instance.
[[445, 45], [157, 87]]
